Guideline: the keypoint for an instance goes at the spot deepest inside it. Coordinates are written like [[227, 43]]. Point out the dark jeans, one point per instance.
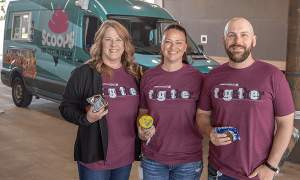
[[121, 173], [213, 174]]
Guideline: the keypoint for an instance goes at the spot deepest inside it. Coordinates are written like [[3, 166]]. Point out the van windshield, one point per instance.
[[146, 33]]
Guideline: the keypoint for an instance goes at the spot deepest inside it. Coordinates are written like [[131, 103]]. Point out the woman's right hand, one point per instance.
[[144, 135], [94, 116]]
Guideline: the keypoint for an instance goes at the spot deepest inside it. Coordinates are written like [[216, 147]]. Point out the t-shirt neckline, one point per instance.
[[173, 72], [118, 69], [243, 69]]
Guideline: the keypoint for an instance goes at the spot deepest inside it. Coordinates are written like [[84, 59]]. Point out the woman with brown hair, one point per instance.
[[105, 144], [169, 94]]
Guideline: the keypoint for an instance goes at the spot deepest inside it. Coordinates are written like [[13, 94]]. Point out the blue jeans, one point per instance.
[[213, 174], [121, 173], [153, 170]]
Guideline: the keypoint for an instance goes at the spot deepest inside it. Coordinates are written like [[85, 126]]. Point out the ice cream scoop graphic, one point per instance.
[[59, 22]]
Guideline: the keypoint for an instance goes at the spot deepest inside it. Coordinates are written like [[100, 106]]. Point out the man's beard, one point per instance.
[[233, 56]]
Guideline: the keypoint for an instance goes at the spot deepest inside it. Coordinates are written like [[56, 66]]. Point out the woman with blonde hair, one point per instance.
[[105, 144]]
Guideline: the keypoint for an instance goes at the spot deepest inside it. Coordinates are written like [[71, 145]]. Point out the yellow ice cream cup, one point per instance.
[[146, 122]]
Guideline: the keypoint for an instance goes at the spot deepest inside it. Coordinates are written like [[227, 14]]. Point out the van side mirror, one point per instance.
[[201, 47]]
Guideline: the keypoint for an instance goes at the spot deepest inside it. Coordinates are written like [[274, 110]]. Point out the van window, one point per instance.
[[89, 28], [21, 26], [146, 33]]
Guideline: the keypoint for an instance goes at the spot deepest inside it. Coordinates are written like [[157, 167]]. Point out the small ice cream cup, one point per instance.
[[146, 122]]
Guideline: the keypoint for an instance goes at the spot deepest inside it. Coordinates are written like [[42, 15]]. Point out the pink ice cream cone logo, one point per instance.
[[59, 22]]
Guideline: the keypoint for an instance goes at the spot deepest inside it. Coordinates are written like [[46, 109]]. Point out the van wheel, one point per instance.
[[19, 93]]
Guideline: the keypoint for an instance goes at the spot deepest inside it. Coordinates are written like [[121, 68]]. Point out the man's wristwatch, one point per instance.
[[276, 170]]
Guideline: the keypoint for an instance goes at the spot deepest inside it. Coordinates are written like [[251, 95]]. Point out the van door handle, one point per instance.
[[69, 58], [79, 60]]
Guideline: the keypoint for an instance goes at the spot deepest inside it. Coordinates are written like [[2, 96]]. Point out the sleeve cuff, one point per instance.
[[86, 121]]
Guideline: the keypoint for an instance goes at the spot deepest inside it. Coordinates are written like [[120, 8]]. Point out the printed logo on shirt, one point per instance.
[[167, 86], [240, 94], [169, 95], [110, 84], [229, 84], [119, 92]]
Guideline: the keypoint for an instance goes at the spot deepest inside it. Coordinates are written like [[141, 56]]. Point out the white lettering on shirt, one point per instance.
[[172, 94], [119, 92], [241, 93]]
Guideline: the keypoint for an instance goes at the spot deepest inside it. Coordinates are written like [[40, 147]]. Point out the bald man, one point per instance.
[[251, 96]]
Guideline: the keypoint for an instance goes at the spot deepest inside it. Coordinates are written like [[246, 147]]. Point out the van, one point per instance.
[[44, 40]]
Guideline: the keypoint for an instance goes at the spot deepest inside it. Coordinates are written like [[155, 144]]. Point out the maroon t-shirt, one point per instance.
[[247, 99], [171, 98], [122, 96]]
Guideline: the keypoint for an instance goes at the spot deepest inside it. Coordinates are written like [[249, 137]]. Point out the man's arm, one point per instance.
[[203, 119], [281, 140]]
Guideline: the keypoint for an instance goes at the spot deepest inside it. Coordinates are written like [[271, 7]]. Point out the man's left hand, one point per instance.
[[263, 172]]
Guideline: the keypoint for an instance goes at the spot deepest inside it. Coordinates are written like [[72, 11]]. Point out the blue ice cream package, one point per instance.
[[230, 131]]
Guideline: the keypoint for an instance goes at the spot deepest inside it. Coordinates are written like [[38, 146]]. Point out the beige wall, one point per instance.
[[209, 17]]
